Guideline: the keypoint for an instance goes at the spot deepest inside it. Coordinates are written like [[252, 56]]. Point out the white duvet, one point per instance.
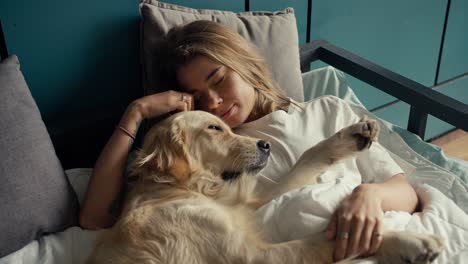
[[307, 210]]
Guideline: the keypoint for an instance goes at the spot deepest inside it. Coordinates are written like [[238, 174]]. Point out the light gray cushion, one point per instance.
[[35, 196], [273, 33]]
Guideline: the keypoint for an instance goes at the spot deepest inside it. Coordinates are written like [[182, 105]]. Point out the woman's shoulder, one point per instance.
[[298, 112]]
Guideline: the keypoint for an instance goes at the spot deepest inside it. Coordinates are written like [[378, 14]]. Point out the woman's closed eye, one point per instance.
[[218, 82]]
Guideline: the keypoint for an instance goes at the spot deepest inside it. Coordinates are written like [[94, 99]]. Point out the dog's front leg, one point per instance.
[[310, 250], [408, 247], [398, 247], [317, 159]]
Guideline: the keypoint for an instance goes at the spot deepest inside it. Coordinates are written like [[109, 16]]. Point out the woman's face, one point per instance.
[[217, 89]]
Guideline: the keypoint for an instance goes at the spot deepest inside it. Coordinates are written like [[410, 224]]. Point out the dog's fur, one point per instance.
[[194, 200]]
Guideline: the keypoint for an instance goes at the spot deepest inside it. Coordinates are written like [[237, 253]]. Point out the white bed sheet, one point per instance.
[[306, 210], [71, 246]]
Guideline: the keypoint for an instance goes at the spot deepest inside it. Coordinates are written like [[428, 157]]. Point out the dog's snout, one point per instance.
[[263, 146]]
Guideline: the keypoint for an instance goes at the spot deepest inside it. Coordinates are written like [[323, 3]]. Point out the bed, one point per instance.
[[441, 181]]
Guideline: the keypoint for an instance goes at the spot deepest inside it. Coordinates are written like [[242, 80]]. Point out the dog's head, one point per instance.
[[195, 146]]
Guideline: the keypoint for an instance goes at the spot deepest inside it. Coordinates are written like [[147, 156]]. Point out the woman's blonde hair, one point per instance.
[[226, 47]]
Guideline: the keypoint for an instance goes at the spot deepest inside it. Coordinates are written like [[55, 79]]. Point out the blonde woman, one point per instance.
[[214, 69]]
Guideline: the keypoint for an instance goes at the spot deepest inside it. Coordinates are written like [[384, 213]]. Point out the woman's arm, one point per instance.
[[360, 215], [107, 179], [395, 194]]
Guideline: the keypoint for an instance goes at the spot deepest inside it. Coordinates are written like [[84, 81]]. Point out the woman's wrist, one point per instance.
[[369, 191], [135, 111], [132, 118]]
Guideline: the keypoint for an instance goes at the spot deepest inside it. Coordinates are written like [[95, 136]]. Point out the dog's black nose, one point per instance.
[[263, 146]]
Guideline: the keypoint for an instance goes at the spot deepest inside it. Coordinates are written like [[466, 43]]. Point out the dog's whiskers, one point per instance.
[[236, 161]]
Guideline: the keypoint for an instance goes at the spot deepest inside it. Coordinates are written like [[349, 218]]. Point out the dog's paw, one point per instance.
[[404, 247], [351, 139], [364, 132]]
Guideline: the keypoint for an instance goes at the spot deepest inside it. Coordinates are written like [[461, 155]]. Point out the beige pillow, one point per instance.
[[273, 33]]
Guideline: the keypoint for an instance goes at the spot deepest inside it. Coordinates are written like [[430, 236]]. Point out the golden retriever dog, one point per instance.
[[194, 200]]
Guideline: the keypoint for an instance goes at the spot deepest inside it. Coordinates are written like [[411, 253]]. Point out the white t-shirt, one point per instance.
[[292, 133]]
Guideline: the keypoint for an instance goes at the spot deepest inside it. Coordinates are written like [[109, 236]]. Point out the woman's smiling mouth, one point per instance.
[[229, 112]]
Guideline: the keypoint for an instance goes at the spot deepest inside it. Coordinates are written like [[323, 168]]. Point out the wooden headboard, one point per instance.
[[79, 142]]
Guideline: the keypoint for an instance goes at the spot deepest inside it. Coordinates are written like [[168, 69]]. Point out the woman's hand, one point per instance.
[[356, 225], [155, 105]]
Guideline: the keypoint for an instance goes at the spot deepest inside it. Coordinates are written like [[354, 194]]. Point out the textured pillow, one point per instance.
[[273, 33], [36, 197]]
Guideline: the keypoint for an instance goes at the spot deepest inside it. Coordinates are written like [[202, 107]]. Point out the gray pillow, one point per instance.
[[273, 33], [36, 197]]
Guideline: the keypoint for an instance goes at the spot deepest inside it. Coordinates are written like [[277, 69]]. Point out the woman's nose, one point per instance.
[[213, 100]]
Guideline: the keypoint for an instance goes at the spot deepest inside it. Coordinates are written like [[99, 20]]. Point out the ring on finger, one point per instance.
[[343, 235], [183, 98]]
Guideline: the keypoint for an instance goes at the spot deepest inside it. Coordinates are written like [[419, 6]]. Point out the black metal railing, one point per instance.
[[422, 99]]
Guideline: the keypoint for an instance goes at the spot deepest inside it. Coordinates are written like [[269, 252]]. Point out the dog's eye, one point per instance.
[[215, 127]]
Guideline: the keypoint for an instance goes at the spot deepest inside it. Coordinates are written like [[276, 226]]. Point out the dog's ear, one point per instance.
[[180, 170], [164, 152]]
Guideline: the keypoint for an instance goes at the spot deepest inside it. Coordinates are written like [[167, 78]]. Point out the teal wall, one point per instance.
[[76, 55], [405, 37], [79, 55], [398, 35], [455, 54]]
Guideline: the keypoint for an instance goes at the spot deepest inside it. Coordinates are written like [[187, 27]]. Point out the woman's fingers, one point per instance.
[[155, 105], [366, 237], [377, 238], [191, 103], [184, 102], [342, 237], [358, 224], [331, 229], [188, 100]]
